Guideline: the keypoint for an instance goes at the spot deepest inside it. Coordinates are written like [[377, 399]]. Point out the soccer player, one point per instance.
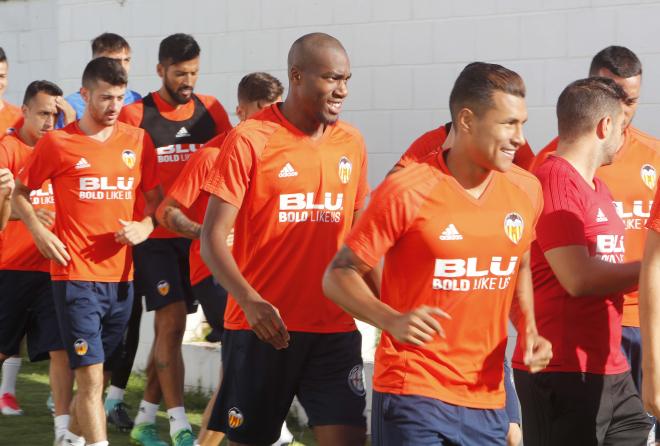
[[179, 122], [289, 181], [455, 230], [96, 167], [580, 275], [9, 114], [256, 91], [115, 47]]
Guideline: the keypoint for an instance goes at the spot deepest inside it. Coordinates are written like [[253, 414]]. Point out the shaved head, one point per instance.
[[306, 50]]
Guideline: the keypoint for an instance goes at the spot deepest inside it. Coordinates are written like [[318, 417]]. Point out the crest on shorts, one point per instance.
[[235, 418], [163, 287], [649, 176], [80, 346], [514, 226], [356, 380], [128, 157], [345, 169]]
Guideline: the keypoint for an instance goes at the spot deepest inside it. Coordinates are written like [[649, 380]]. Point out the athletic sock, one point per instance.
[[178, 420], [10, 369], [61, 425], [73, 439], [146, 413], [115, 396]]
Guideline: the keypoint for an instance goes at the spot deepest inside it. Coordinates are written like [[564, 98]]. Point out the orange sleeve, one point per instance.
[[232, 172], [4, 157], [654, 219], [218, 113], [150, 179], [217, 140], [41, 166], [524, 157], [132, 114], [188, 184]]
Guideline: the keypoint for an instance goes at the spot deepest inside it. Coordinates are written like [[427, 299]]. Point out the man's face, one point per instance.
[[632, 86], [612, 143], [323, 84], [40, 115], [123, 57], [104, 102], [497, 134], [179, 79], [245, 109], [4, 77]]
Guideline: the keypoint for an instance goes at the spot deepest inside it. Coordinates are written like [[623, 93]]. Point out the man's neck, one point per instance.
[[24, 136], [582, 155], [93, 129], [165, 96], [473, 177], [307, 124]]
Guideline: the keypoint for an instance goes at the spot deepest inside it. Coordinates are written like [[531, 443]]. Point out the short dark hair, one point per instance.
[[178, 48], [3, 56], [36, 87], [106, 70], [619, 60], [585, 102], [259, 87], [109, 43], [476, 84]]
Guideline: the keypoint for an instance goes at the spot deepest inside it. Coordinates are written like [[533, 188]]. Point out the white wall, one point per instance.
[[405, 54]]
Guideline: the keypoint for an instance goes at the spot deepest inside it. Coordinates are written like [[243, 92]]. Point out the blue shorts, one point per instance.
[[27, 308], [323, 370], [512, 406], [92, 317], [411, 420], [213, 299]]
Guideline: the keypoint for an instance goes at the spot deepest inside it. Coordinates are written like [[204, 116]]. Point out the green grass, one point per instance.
[[35, 427]]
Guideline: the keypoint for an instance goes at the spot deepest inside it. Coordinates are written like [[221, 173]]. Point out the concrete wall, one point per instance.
[[405, 54]]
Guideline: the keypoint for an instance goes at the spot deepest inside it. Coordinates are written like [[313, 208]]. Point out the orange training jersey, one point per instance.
[[10, 117], [187, 190], [432, 141], [631, 178], [94, 184], [296, 197], [19, 252], [447, 249]]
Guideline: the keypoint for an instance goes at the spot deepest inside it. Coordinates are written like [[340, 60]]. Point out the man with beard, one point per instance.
[[179, 122], [96, 166]]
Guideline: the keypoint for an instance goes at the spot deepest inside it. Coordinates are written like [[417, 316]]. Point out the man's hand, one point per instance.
[[65, 108], [6, 183], [50, 246], [133, 232], [417, 327], [46, 217], [265, 321], [537, 351]]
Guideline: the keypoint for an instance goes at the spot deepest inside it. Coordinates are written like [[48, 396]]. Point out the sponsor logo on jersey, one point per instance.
[[182, 133], [287, 171], [451, 233], [82, 164], [634, 217], [105, 188], [80, 347], [514, 225], [302, 207], [42, 196], [610, 248], [356, 380], [128, 157], [649, 176], [163, 287], [600, 216], [345, 169], [235, 418], [468, 274], [175, 153]]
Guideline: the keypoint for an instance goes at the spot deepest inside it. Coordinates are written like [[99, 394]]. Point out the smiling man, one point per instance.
[[290, 181]]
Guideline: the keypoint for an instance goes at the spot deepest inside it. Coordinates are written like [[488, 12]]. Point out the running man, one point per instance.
[[455, 230], [179, 122], [96, 167], [580, 275], [289, 181], [256, 91]]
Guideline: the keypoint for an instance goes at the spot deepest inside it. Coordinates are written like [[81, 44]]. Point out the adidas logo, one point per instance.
[[600, 217], [83, 164], [451, 233], [182, 133], [287, 171]]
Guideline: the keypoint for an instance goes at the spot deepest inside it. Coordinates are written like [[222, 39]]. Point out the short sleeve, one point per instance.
[[5, 161], [132, 114], [187, 187], [562, 221], [150, 179], [41, 166]]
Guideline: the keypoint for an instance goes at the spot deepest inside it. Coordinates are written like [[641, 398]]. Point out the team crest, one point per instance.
[[235, 418], [128, 157], [514, 226], [345, 169], [356, 380], [649, 176], [163, 287], [80, 346]]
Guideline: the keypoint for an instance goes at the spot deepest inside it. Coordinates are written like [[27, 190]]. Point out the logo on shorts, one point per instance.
[[128, 157], [514, 226], [163, 287], [649, 176], [345, 169], [356, 380], [80, 346], [235, 418]]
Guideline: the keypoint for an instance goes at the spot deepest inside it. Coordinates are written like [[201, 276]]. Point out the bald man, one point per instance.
[[290, 183]]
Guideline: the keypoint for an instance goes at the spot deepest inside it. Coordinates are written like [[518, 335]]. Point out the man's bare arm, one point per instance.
[[649, 317], [170, 216], [135, 232]]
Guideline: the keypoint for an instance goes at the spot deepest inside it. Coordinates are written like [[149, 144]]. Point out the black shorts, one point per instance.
[[581, 409], [27, 308], [162, 272], [323, 370], [213, 299]]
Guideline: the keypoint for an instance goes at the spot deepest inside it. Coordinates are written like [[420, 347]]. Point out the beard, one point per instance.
[[176, 96]]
